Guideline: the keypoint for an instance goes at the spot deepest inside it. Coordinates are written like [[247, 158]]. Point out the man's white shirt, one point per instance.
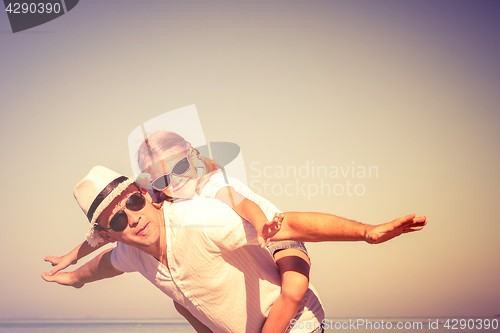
[[216, 269]]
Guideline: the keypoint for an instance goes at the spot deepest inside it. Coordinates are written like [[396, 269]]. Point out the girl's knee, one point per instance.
[[294, 287]]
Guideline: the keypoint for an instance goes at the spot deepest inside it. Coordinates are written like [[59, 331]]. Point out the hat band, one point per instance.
[[103, 194]]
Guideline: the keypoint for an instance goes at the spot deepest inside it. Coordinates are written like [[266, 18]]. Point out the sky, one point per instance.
[[407, 90]]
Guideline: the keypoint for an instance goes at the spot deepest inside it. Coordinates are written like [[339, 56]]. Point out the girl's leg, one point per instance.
[[294, 266]]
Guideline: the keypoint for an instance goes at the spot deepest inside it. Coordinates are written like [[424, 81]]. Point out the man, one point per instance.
[[201, 254]]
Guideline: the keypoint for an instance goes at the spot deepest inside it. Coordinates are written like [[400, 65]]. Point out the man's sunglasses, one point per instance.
[[135, 203], [162, 182]]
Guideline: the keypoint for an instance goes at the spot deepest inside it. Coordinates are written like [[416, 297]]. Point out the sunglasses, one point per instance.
[[162, 182], [135, 203]]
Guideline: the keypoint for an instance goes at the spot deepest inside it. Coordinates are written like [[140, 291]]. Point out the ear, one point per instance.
[[145, 193], [106, 236], [194, 153], [158, 205]]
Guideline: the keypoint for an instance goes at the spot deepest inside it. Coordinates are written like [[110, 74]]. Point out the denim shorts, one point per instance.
[[274, 247]]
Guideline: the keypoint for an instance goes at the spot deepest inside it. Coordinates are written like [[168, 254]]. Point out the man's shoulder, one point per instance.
[[123, 257], [201, 209], [123, 249], [207, 215]]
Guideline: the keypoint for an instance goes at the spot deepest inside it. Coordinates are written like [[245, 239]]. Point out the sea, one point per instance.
[[359, 325], [95, 326]]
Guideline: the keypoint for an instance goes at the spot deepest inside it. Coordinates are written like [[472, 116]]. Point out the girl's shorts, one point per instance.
[[274, 247]]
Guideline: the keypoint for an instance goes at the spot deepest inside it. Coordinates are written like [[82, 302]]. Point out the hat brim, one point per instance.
[[93, 237]]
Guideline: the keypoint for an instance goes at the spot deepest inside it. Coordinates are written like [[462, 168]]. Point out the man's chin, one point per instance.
[[142, 242]]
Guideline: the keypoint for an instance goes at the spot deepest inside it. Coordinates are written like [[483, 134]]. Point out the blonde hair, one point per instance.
[[152, 149]]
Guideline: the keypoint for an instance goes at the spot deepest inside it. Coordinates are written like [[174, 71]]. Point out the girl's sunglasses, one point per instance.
[[119, 222], [163, 182]]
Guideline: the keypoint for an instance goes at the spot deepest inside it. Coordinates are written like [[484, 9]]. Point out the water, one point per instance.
[[421, 325], [95, 326]]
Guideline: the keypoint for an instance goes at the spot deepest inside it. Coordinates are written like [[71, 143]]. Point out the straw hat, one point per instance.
[[95, 192]]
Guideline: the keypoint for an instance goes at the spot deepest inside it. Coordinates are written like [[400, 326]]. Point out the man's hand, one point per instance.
[[384, 232], [270, 229], [72, 258], [63, 278], [97, 269], [59, 263]]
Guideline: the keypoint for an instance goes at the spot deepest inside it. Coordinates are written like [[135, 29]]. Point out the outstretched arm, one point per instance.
[[318, 227], [71, 258], [97, 269]]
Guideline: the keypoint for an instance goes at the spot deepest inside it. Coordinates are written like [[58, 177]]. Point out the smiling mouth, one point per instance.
[[142, 229], [181, 186]]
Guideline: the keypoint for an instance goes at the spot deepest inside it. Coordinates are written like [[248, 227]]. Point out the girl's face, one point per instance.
[[175, 173]]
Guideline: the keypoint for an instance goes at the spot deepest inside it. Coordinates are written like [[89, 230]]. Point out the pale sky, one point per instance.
[[409, 88]]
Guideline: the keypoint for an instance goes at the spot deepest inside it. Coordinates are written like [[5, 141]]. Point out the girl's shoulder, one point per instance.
[[209, 183]]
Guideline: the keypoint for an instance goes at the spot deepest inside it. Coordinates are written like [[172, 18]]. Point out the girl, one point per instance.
[[173, 168], [174, 171]]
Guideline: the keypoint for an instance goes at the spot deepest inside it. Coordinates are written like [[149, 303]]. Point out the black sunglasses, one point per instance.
[[119, 222], [162, 182]]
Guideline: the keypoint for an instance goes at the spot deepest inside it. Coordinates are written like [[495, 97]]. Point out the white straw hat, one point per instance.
[[95, 192]]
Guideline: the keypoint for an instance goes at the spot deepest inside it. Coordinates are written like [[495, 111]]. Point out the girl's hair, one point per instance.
[[152, 149]]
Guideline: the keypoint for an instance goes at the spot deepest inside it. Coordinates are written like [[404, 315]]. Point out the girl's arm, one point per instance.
[[251, 212], [71, 258]]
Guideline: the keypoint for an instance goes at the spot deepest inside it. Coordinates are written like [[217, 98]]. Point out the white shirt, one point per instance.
[[218, 181], [216, 269]]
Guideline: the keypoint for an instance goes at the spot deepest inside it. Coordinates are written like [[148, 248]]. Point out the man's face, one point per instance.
[[143, 227]]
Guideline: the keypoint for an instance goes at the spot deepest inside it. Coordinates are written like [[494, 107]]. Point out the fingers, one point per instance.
[[410, 220], [273, 224], [420, 219], [387, 231], [403, 220], [413, 227], [262, 241], [55, 270], [48, 277], [278, 217], [53, 260], [64, 279], [418, 223], [57, 263]]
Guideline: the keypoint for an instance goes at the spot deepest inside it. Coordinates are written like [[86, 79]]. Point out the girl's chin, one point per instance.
[[183, 196], [181, 199]]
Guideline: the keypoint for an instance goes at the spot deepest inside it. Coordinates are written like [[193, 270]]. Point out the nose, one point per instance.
[[133, 218], [175, 180]]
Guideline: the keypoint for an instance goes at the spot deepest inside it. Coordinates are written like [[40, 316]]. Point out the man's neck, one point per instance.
[[158, 249]]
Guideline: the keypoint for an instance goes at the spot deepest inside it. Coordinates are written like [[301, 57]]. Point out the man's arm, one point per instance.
[[72, 258], [197, 325], [97, 269], [318, 227]]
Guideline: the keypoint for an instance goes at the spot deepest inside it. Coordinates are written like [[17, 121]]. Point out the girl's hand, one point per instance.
[[270, 229], [59, 263]]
